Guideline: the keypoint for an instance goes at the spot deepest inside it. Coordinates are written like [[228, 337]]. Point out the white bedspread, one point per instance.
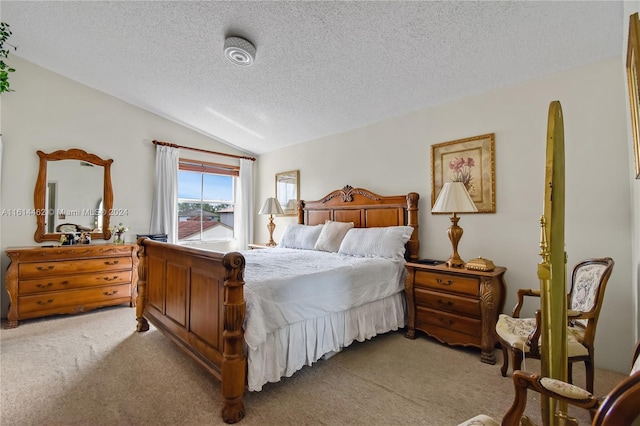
[[287, 286]]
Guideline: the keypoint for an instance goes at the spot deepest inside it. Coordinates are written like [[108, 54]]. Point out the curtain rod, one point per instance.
[[173, 145]]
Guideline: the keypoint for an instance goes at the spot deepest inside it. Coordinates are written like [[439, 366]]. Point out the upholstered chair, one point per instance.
[[519, 337], [619, 407]]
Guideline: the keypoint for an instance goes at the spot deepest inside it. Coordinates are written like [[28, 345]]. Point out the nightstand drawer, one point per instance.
[[429, 317], [447, 282], [447, 302]]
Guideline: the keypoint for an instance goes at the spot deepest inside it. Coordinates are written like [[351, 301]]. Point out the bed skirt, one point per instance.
[[288, 349]]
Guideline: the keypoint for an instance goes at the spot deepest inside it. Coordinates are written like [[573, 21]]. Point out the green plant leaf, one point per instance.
[[5, 33]]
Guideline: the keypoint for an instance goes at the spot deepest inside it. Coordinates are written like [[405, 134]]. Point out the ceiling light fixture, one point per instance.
[[239, 51]]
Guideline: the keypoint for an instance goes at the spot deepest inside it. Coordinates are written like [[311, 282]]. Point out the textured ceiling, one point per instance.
[[320, 68]]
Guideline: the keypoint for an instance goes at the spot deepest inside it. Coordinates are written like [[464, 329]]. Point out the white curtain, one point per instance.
[[243, 216], [164, 214]]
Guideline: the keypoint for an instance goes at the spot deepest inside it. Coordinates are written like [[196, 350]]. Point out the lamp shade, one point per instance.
[[454, 198], [271, 206]]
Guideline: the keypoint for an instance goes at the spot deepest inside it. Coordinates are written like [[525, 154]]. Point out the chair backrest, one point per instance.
[[621, 406], [588, 283]]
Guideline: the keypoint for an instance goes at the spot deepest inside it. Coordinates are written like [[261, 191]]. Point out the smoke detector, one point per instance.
[[239, 51]]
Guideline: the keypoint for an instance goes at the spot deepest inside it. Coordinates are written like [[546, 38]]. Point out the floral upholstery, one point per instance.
[[563, 388], [576, 333], [516, 332], [585, 288]]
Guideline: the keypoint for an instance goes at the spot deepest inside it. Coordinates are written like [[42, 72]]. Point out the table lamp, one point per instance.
[[454, 198], [271, 206]]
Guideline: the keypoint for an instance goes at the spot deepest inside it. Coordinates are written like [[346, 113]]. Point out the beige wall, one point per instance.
[[392, 157], [48, 112]]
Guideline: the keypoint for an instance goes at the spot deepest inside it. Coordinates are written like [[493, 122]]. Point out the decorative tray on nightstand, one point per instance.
[[480, 264]]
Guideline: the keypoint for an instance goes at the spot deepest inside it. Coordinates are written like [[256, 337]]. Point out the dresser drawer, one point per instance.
[[447, 302], [429, 317], [55, 300], [446, 282], [46, 269], [56, 283]]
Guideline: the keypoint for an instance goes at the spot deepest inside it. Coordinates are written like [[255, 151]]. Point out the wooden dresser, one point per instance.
[[455, 305], [44, 281]]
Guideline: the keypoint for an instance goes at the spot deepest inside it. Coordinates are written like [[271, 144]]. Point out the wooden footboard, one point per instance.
[[196, 298]]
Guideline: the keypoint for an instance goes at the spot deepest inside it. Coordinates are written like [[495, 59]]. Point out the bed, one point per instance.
[[199, 300]]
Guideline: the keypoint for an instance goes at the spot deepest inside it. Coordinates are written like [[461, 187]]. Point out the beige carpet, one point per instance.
[[95, 369]]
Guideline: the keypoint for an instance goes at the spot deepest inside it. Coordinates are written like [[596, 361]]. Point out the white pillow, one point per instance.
[[299, 236], [331, 235], [386, 242]]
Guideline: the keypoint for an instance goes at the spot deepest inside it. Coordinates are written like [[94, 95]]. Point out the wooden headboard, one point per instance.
[[365, 209]]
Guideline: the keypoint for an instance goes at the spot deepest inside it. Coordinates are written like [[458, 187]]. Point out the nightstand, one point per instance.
[[259, 246], [455, 305]]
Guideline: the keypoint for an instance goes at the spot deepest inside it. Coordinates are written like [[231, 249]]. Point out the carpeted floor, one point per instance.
[[95, 369]]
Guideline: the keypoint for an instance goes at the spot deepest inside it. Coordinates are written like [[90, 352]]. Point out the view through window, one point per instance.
[[205, 204]]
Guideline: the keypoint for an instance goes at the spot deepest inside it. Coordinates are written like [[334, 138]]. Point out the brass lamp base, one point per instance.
[[271, 226], [455, 233]]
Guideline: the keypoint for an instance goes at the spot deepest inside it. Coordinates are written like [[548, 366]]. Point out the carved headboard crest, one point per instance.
[[348, 192]]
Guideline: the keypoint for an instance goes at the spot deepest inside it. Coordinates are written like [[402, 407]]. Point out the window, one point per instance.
[[205, 201]]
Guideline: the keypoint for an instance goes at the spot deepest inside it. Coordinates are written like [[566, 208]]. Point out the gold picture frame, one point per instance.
[[633, 68], [288, 191], [471, 161]]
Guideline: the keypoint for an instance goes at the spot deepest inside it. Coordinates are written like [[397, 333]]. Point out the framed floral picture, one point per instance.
[[470, 161], [633, 74]]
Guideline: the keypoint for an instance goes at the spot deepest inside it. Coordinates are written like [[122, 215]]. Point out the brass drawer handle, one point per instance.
[[440, 281], [42, 268], [115, 277], [44, 285], [447, 303], [40, 302], [445, 322], [115, 262], [110, 293]]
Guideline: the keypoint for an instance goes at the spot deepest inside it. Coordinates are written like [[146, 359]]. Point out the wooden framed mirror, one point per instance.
[[73, 190], [288, 191]]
